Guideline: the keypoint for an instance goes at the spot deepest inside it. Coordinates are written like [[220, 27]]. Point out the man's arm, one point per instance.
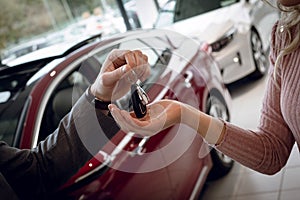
[[38, 172], [35, 173]]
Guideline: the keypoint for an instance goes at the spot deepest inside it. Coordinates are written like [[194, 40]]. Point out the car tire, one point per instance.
[[259, 55], [222, 164]]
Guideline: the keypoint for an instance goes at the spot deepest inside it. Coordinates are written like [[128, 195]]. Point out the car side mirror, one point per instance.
[[4, 96], [2, 65]]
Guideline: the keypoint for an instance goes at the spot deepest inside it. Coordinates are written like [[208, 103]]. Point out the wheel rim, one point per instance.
[[218, 109], [258, 53]]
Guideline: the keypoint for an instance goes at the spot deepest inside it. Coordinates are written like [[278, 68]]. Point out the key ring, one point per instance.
[[142, 94], [132, 77]]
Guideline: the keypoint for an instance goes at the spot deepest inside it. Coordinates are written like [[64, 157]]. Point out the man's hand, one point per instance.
[[112, 81]]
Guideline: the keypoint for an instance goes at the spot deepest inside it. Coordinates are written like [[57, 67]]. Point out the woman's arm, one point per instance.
[[265, 150]]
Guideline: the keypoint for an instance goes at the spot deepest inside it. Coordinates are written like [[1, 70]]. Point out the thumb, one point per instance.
[[110, 78]]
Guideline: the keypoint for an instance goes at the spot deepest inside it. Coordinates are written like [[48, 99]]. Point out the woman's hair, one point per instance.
[[290, 17]]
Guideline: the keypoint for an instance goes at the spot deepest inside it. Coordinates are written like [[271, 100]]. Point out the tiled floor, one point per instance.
[[243, 183]]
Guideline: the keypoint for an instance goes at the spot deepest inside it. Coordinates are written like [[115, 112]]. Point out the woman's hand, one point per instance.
[[160, 115], [112, 81]]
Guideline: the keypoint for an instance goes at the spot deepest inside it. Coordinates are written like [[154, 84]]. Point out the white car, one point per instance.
[[238, 31]]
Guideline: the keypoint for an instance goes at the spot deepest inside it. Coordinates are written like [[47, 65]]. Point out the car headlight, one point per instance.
[[223, 41]]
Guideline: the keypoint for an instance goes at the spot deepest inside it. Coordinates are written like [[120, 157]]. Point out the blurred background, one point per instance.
[[29, 25]]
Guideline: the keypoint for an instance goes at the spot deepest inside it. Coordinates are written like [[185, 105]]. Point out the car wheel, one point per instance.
[[222, 164], [259, 56]]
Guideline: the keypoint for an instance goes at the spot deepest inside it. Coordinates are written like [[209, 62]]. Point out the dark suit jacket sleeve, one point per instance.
[[32, 174]]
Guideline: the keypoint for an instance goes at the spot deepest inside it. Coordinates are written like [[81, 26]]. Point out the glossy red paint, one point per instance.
[[117, 184]]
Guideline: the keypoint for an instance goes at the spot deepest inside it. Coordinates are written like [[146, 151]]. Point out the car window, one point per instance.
[[166, 14], [69, 90], [101, 56], [189, 8], [72, 87], [60, 103], [177, 10], [9, 119]]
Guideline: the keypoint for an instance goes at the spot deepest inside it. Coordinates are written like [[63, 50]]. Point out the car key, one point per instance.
[[139, 97], [139, 100]]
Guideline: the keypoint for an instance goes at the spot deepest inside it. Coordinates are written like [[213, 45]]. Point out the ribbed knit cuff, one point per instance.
[[214, 131]]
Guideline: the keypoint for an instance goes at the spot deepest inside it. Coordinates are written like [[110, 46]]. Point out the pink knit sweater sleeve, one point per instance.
[[267, 149]]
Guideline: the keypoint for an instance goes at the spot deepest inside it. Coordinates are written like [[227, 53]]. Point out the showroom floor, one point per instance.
[[245, 184]]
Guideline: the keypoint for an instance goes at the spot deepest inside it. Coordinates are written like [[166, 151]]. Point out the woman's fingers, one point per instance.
[[161, 115], [148, 126], [133, 122], [124, 121]]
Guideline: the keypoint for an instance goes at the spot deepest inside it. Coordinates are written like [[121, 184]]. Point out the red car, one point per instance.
[[37, 90]]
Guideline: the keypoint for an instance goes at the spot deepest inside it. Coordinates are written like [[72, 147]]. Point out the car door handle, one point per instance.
[[107, 158], [139, 149], [188, 77]]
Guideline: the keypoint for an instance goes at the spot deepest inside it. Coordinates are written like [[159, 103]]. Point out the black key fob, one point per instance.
[[139, 99]]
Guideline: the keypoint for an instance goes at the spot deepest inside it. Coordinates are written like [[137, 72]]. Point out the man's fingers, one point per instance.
[[130, 59], [123, 62], [111, 77], [117, 57]]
